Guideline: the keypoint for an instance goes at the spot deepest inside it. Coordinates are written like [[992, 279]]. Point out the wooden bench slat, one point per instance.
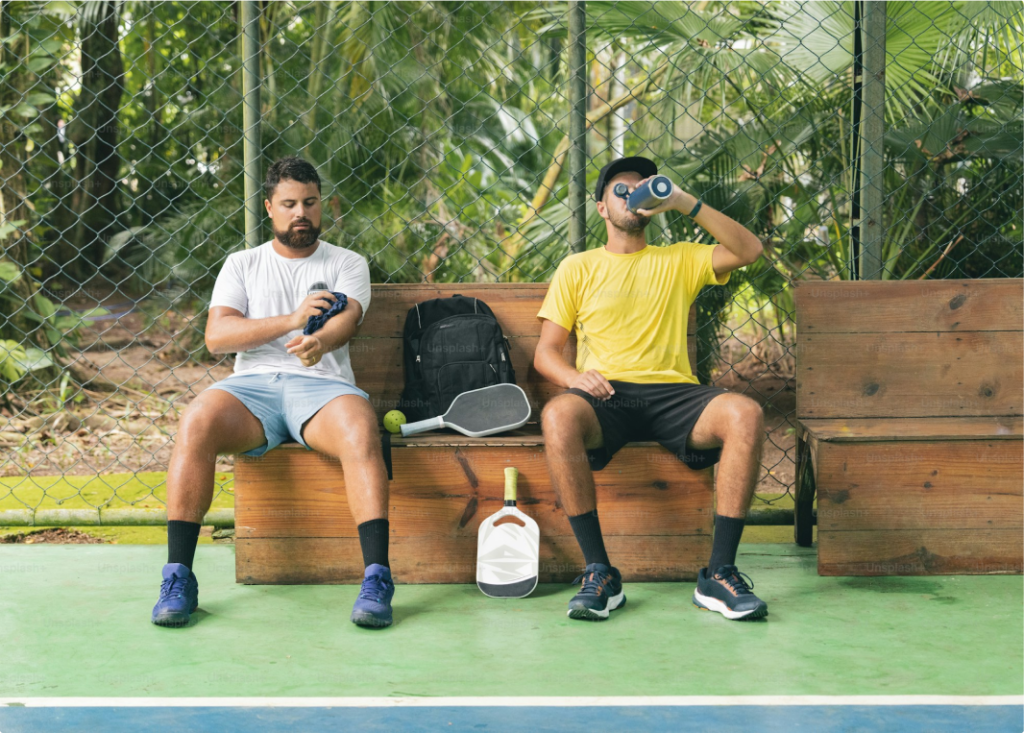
[[515, 305], [871, 306], [920, 552], [327, 560], [910, 375], [447, 493], [929, 485], [915, 428]]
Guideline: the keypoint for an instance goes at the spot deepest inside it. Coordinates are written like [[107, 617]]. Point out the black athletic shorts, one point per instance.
[[664, 412]]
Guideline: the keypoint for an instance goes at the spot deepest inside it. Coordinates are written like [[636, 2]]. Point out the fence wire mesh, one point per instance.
[[440, 133]]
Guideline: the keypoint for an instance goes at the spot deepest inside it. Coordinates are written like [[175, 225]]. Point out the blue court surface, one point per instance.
[[995, 716]]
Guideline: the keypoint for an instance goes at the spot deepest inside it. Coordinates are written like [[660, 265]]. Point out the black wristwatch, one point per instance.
[[695, 209]]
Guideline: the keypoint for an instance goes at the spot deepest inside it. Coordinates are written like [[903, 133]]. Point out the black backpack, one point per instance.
[[451, 345]]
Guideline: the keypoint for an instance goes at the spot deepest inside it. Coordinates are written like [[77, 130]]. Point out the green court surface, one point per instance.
[[76, 623]]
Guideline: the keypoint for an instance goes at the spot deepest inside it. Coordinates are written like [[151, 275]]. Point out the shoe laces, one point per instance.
[[374, 588], [739, 583], [593, 582], [173, 587]]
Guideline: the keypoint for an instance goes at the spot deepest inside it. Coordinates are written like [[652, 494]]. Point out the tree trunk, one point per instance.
[[97, 123], [323, 24]]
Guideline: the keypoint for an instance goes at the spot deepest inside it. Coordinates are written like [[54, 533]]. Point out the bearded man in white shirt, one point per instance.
[[288, 385]]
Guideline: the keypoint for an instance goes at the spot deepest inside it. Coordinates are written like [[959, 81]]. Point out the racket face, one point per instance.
[[508, 555], [489, 409]]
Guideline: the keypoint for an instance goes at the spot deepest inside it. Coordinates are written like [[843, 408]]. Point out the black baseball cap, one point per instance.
[[636, 164]]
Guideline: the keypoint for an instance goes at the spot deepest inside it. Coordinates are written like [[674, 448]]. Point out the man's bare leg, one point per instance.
[[571, 428], [215, 422], [736, 424], [346, 429]]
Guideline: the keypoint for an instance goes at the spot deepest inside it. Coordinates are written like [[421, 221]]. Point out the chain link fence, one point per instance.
[[855, 139]]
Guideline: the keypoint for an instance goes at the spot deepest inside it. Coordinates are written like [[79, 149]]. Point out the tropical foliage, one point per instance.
[[439, 131]]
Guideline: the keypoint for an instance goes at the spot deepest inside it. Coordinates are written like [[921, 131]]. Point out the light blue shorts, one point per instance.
[[284, 402]]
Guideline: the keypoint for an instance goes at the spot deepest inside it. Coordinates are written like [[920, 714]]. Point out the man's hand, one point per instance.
[[309, 349], [678, 200], [592, 382], [313, 305]]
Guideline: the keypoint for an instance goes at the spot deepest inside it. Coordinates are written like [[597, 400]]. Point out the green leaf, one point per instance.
[[25, 110], [40, 63], [51, 47], [12, 356], [35, 359], [43, 305], [6, 227], [9, 272], [39, 99]]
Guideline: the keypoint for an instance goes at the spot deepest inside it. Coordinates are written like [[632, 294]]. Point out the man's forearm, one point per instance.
[[337, 332], [233, 334], [550, 365], [728, 232]]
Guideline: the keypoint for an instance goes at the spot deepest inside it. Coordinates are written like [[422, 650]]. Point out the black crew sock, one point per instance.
[[373, 539], [728, 531], [181, 542], [587, 528]]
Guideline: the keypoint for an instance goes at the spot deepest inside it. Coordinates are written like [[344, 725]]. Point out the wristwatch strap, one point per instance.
[[695, 209]]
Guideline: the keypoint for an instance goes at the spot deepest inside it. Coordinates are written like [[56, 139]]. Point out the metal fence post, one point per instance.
[[252, 148], [577, 126], [867, 231]]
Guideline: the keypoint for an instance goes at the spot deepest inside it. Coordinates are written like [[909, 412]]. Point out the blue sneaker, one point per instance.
[[179, 596], [601, 593], [730, 593], [373, 606]]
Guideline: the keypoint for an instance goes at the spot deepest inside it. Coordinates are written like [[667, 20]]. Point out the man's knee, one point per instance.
[[568, 418], [197, 424], [351, 429], [740, 417]]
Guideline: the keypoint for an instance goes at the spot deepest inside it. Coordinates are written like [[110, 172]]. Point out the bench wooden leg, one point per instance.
[[803, 515]]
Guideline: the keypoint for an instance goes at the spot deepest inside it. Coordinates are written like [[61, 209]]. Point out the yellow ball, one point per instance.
[[394, 421]]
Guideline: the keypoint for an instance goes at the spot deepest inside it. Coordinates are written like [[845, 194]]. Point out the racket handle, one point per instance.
[[511, 479], [422, 426]]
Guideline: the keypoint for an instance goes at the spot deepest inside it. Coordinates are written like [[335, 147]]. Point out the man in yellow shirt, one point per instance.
[[628, 303]]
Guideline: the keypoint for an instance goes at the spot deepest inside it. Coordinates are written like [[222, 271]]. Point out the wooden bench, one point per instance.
[[292, 519], [909, 402]]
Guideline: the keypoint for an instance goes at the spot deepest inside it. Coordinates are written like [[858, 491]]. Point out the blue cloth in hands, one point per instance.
[[315, 323]]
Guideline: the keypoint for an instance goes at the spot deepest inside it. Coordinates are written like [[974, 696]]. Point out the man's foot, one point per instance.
[[729, 592], [179, 596], [373, 606], [601, 593]]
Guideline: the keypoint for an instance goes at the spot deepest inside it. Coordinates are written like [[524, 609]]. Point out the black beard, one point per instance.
[[632, 224], [298, 239]]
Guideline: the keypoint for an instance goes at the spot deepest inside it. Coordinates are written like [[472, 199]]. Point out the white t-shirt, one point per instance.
[[260, 283]]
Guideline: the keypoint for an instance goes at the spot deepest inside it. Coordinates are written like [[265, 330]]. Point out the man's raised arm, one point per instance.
[[737, 246]]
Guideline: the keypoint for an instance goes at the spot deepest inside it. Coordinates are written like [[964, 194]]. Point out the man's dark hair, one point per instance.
[[292, 169]]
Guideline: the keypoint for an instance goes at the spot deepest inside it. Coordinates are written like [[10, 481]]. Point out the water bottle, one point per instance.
[[650, 194]]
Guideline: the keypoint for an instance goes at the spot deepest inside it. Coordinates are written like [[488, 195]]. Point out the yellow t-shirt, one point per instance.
[[630, 311]]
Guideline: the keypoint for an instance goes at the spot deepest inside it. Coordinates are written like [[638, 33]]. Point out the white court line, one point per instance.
[[421, 702]]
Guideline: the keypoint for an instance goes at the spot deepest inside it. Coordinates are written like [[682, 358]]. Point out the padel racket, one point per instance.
[[508, 549], [480, 412]]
